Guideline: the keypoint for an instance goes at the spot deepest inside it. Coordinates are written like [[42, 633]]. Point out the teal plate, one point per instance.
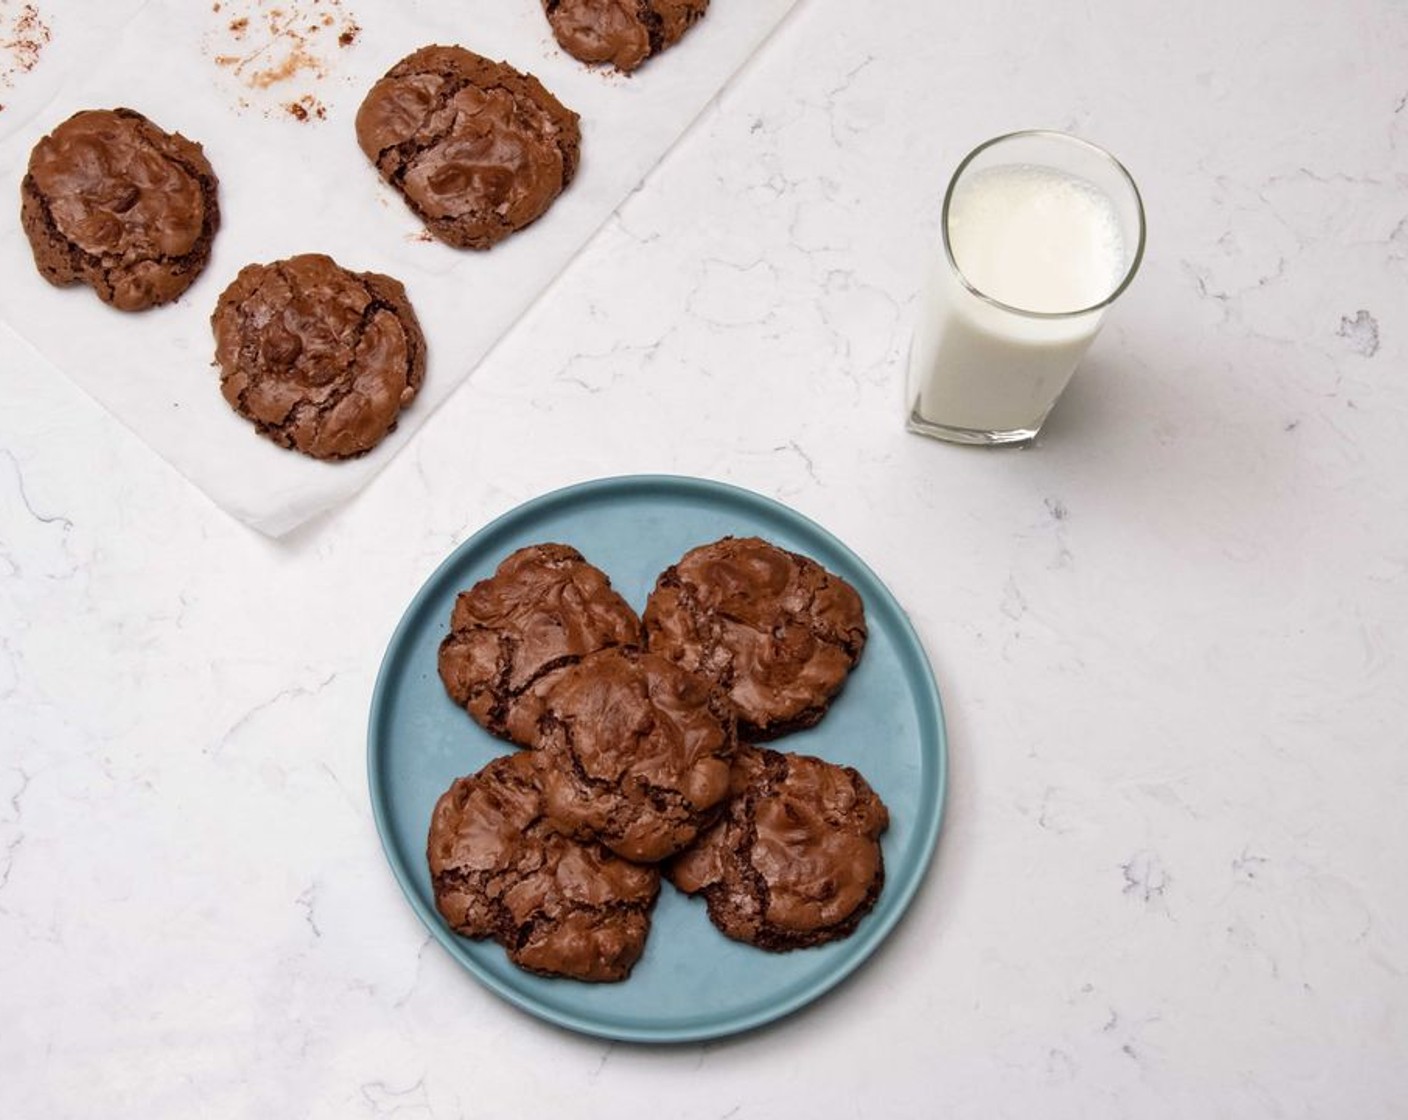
[[692, 983]]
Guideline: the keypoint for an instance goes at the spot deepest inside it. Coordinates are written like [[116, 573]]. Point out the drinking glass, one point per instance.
[[1041, 233]]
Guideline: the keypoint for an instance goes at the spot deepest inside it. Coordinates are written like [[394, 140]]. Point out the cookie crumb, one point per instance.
[[306, 108], [23, 38], [265, 43]]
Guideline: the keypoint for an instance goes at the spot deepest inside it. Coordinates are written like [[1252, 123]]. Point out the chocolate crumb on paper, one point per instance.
[[23, 37], [285, 47], [306, 108]]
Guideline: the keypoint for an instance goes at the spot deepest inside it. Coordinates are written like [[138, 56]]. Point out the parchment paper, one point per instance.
[[291, 185]]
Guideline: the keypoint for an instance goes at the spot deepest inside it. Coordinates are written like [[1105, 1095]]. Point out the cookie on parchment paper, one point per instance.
[[318, 358], [623, 33], [113, 201], [477, 149]]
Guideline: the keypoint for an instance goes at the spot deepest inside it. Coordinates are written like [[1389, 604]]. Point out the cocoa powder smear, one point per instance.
[[23, 37], [265, 44]]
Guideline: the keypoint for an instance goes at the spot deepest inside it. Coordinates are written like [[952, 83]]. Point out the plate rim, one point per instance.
[[926, 838]]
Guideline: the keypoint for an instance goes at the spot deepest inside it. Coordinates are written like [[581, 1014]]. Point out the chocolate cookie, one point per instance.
[[112, 201], [513, 634], [795, 860], [477, 149], [320, 359], [500, 869], [622, 32], [636, 753], [777, 631]]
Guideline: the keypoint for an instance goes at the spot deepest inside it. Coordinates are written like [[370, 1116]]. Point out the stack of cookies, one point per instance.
[[640, 757]]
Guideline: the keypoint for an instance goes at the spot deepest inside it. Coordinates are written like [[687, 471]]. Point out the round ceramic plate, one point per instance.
[[692, 983]]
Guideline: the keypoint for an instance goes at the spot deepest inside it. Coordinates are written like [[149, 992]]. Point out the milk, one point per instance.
[[1049, 246]]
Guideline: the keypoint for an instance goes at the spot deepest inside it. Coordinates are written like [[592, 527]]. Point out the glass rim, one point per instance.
[[1065, 138]]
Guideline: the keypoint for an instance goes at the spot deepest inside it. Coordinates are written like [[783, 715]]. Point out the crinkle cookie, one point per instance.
[[777, 631], [623, 33], [513, 634], [319, 359], [500, 870], [795, 860], [112, 201], [636, 753], [477, 149]]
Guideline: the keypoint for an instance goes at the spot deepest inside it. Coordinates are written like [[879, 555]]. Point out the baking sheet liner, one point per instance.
[[271, 88]]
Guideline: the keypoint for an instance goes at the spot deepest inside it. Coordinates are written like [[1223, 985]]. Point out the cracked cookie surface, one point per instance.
[[623, 33], [776, 630], [636, 752], [795, 861], [477, 149], [112, 201], [512, 634], [501, 870], [320, 359]]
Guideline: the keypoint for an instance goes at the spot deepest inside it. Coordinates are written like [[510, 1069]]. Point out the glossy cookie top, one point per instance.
[[477, 149]]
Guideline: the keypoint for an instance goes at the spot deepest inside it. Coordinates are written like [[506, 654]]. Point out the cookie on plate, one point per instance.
[[477, 149], [499, 869], [795, 861], [112, 201], [777, 631], [623, 33], [320, 359], [636, 753], [513, 634]]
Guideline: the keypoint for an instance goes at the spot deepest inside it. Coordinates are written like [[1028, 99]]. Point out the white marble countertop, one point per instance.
[[1172, 638]]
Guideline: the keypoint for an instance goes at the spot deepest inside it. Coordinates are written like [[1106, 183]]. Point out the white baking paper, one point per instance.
[[290, 186]]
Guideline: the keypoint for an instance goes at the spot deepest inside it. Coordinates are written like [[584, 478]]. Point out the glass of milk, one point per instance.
[[1041, 233]]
